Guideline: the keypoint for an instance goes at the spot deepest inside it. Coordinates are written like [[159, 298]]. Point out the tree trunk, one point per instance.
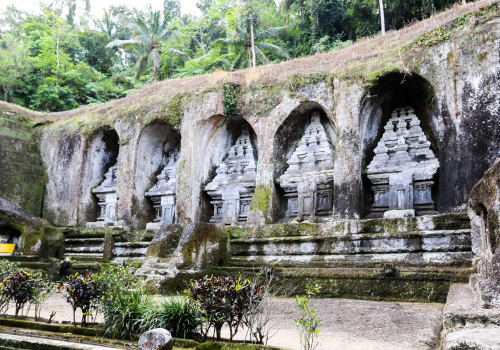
[[253, 42], [382, 19]]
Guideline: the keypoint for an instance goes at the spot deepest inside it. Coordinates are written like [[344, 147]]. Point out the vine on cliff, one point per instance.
[[230, 98]]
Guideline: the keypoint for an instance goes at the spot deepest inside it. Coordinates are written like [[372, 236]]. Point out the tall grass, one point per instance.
[[176, 314]]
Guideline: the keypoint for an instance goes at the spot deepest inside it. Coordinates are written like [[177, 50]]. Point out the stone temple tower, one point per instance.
[[233, 187], [106, 193], [163, 193], [308, 181], [402, 169]]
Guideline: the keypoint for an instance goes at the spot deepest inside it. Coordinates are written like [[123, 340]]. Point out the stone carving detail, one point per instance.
[[308, 181], [402, 169], [233, 187], [106, 193], [163, 193]]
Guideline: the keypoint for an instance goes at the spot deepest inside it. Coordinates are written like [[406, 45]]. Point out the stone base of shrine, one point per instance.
[[153, 225], [399, 213], [99, 224]]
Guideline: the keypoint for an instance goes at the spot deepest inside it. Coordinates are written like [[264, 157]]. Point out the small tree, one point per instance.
[[83, 293], [14, 63], [224, 300], [308, 323], [259, 321]]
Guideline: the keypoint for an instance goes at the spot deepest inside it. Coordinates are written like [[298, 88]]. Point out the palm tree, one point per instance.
[[150, 30], [205, 64], [59, 5], [105, 24], [242, 40]]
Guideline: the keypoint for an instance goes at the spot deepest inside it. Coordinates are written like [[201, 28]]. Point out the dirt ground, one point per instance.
[[346, 324]]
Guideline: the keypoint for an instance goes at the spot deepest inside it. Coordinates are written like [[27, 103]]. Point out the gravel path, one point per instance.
[[346, 324]]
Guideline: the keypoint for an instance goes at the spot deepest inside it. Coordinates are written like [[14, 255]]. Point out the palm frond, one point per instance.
[[168, 34], [260, 56], [142, 39], [116, 43], [268, 33], [273, 48], [141, 66], [175, 52]]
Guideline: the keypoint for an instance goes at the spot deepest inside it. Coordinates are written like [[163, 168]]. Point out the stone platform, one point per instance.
[[466, 325]]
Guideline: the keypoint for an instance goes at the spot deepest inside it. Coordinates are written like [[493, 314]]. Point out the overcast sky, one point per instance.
[[187, 6]]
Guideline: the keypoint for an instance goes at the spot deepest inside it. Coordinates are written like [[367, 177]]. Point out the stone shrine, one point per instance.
[[106, 193], [163, 193], [402, 169], [308, 181], [233, 187]]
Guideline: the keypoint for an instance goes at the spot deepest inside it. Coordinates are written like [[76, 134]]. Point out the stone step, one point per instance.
[[84, 257], [84, 240], [463, 310], [31, 342], [434, 259], [473, 339], [16, 144], [428, 284], [130, 249], [455, 221], [84, 250], [411, 242]]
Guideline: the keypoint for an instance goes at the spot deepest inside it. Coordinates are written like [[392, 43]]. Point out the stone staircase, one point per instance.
[[132, 250], [401, 259], [85, 245]]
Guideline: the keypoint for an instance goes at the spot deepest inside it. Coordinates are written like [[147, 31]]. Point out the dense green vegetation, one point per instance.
[[55, 61]]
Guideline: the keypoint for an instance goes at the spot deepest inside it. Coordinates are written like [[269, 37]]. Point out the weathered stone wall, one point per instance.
[[22, 177], [484, 211], [452, 82]]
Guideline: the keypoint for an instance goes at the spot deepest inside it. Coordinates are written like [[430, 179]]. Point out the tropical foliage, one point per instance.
[[59, 59]]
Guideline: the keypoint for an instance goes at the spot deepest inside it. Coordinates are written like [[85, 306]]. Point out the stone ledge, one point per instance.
[[463, 310], [473, 339]]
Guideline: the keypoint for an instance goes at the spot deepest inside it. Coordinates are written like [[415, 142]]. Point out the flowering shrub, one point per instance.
[[82, 292], [224, 300]]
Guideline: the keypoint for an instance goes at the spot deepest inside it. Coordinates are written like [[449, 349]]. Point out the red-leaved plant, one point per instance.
[[82, 292], [224, 300]]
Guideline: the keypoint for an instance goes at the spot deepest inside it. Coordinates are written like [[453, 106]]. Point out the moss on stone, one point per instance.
[[261, 200]]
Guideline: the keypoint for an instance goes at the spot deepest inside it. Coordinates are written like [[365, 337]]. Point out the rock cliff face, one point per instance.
[[313, 125], [452, 86]]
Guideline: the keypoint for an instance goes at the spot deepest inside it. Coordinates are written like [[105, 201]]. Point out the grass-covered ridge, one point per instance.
[[362, 63]]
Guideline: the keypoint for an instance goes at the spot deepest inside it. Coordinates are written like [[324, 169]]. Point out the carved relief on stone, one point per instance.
[[106, 193], [233, 187], [163, 193], [308, 181], [403, 167]]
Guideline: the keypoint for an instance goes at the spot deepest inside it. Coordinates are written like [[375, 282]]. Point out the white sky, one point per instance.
[[187, 6]]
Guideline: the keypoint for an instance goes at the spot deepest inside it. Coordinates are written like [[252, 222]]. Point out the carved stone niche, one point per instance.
[[106, 193], [308, 181], [163, 193], [402, 169], [233, 187]]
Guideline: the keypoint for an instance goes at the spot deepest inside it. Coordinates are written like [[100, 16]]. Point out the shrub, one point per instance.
[[308, 323], [124, 312], [83, 293], [6, 268], [224, 300], [179, 315], [124, 300], [25, 287]]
